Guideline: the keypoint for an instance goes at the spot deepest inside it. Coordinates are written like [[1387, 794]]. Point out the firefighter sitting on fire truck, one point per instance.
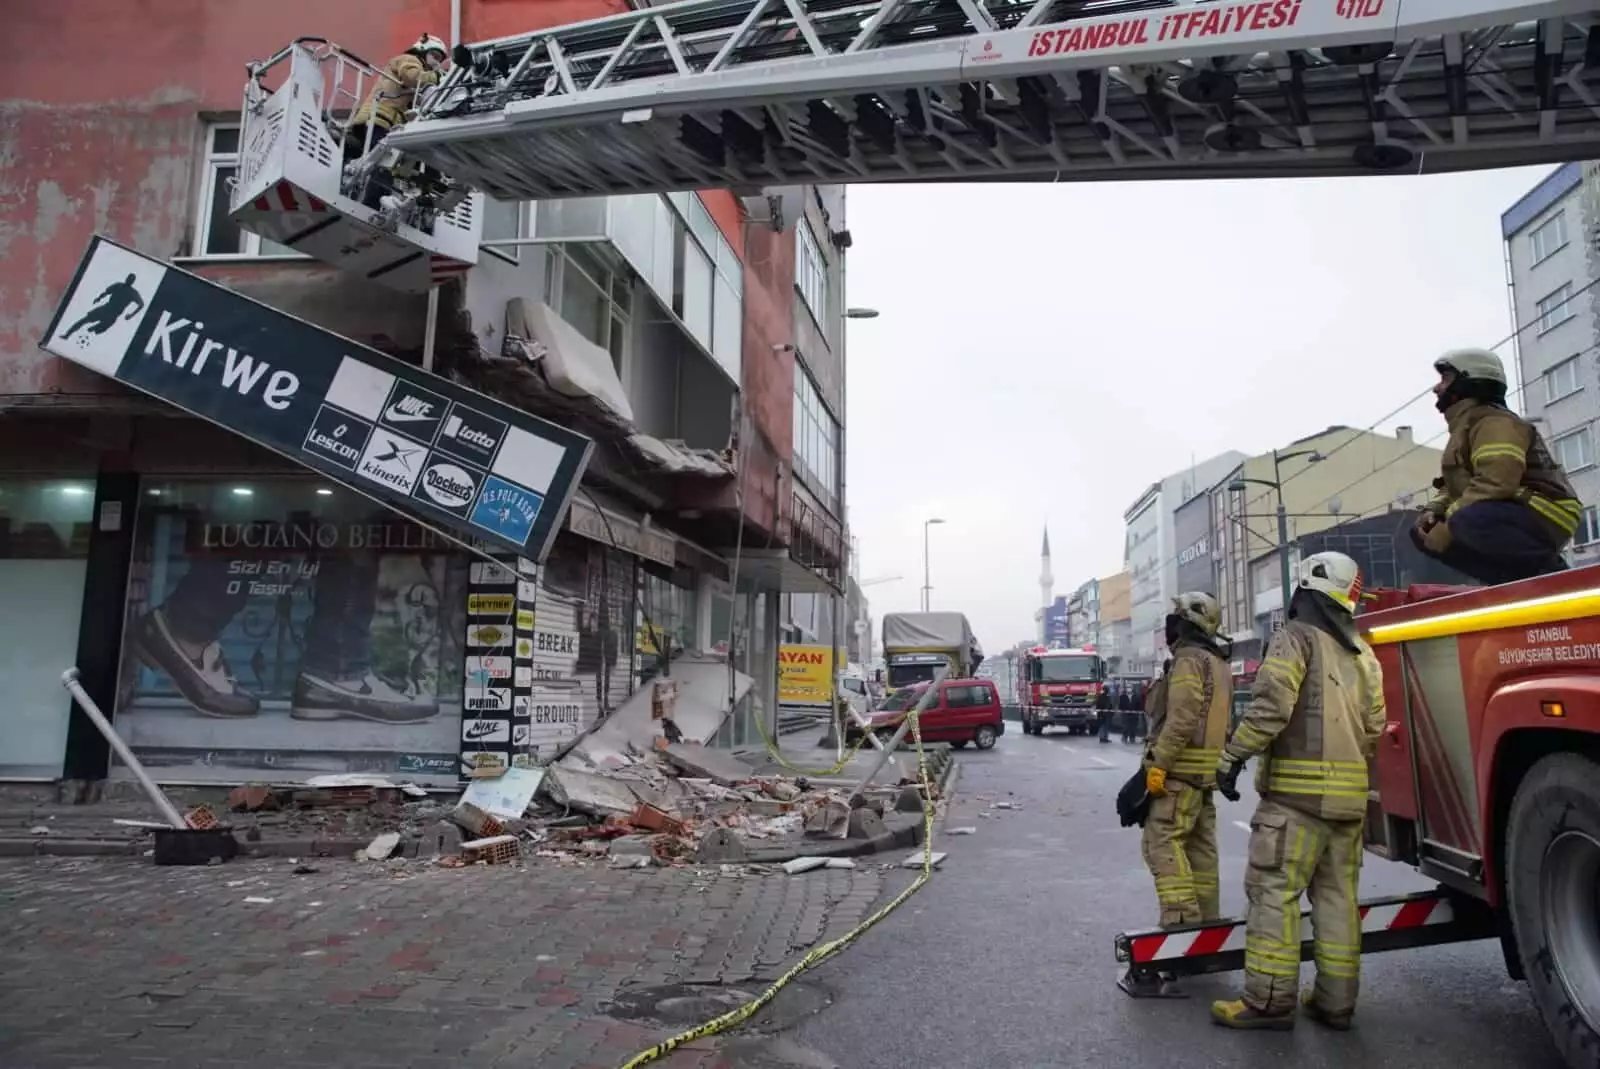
[[1505, 509], [1188, 725], [385, 107], [1314, 718]]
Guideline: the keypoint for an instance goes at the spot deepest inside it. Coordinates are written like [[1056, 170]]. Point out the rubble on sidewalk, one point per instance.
[[656, 804]]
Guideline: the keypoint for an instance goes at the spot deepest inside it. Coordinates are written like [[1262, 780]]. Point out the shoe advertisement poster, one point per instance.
[[280, 630]]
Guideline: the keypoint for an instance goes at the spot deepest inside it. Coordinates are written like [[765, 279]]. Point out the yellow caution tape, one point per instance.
[[776, 755], [819, 954]]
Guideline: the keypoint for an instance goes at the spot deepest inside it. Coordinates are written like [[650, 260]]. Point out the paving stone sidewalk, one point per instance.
[[403, 966]]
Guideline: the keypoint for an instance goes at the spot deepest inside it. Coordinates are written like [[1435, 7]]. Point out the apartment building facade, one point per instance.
[[1552, 261], [158, 552]]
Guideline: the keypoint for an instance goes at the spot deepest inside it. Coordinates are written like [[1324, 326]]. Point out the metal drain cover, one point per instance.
[[687, 1005]]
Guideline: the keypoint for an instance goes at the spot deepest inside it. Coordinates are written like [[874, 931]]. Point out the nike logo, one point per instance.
[[479, 731], [409, 410]]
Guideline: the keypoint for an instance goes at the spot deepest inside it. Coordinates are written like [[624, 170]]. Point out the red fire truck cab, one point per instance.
[[1060, 689]]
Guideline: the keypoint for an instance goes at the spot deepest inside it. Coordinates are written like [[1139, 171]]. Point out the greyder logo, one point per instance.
[[449, 485]]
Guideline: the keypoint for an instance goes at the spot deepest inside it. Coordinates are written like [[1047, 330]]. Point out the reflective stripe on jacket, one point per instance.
[[395, 92], [1189, 712], [1495, 455], [1315, 714]]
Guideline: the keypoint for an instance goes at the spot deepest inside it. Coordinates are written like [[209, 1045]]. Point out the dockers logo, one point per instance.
[[449, 485]]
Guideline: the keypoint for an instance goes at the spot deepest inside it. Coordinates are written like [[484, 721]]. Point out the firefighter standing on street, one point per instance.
[[1188, 725], [1505, 509], [1314, 719]]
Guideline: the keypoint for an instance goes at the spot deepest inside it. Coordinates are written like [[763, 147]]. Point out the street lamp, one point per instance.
[[927, 580], [864, 583], [861, 313], [1276, 483]]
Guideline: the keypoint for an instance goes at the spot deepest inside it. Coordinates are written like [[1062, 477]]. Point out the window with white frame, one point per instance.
[[710, 285], [811, 271], [592, 294], [1561, 380], [1574, 451], [1588, 527], [1555, 308], [1547, 237], [504, 220], [816, 437], [215, 235]]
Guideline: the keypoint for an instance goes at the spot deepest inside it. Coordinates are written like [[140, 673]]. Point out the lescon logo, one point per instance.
[[116, 302]]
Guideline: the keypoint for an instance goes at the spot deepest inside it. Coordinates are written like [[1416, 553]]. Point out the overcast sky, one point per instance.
[[1046, 352]]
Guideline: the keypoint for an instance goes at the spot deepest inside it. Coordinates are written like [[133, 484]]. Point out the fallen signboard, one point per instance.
[[446, 456]]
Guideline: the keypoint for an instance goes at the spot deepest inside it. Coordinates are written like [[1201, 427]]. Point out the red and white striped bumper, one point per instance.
[[1423, 919]]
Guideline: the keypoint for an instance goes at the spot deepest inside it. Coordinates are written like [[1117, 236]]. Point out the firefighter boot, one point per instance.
[[1339, 1022], [1235, 1014]]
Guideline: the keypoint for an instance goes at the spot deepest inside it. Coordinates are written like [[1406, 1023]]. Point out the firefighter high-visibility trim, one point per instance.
[[1198, 760], [1552, 608], [1402, 922]]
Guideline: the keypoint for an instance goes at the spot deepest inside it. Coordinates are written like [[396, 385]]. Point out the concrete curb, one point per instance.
[[47, 847]]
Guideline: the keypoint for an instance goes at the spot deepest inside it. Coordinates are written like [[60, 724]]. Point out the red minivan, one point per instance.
[[964, 710]]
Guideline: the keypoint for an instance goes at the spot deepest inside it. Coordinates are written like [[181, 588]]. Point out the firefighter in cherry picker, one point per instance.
[[1504, 510], [385, 108], [1189, 712], [1314, 719]]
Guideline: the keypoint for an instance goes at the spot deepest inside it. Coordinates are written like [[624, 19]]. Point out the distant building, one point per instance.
[[1550, 236]]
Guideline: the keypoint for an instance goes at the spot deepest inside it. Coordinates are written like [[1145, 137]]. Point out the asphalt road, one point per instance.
[[1005, 958]]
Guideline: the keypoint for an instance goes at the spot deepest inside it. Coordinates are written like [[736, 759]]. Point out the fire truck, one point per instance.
[[1060, 688], [1487, 781]]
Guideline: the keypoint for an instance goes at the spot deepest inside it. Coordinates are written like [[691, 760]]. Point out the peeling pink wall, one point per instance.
[[100, 128]]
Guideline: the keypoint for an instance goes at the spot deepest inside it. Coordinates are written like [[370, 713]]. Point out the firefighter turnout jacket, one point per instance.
[[1495, 455], [1189, 712], [1315, 716], [395, 93]]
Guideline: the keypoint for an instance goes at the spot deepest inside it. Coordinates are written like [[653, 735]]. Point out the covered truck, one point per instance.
[[917, 644]]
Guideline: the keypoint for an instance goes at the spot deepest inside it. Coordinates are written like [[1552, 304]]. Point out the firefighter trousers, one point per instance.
[[1292, 853], [1180, 850]]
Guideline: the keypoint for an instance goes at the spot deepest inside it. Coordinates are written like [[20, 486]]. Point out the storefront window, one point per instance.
[[667, 615], [44, 546], [752, 654], [277, 630]]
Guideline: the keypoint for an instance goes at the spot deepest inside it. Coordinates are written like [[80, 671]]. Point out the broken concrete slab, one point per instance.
[[804, 864], [865, 824], [590, 792], [719, 766], [381, 847], [915, 860], [721, 845], [829, 820], [442, 840], [909, 801]]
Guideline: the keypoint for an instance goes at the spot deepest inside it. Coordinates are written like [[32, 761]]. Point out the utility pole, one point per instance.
[[927, 570]]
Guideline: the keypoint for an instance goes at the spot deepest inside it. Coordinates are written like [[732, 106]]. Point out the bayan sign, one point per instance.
[[443, 455]]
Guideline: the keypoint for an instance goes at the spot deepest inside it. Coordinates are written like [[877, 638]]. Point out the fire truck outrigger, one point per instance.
[[1487, 781]]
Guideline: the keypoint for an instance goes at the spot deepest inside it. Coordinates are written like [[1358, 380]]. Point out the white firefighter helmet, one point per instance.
[[1333, 574], [429, 43], [1200, 609], [1477, 364]]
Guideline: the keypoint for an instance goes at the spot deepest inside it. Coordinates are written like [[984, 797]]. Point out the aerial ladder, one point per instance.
[[751, 94], [766, 96]]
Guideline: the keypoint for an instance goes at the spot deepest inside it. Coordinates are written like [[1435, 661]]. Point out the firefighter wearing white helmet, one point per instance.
[[1189, 710], [395, 93], [1504, 508], [1314, 719]]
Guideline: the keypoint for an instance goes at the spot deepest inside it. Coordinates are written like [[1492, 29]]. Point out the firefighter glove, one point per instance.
[[1228, 771], [1155, 781]]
